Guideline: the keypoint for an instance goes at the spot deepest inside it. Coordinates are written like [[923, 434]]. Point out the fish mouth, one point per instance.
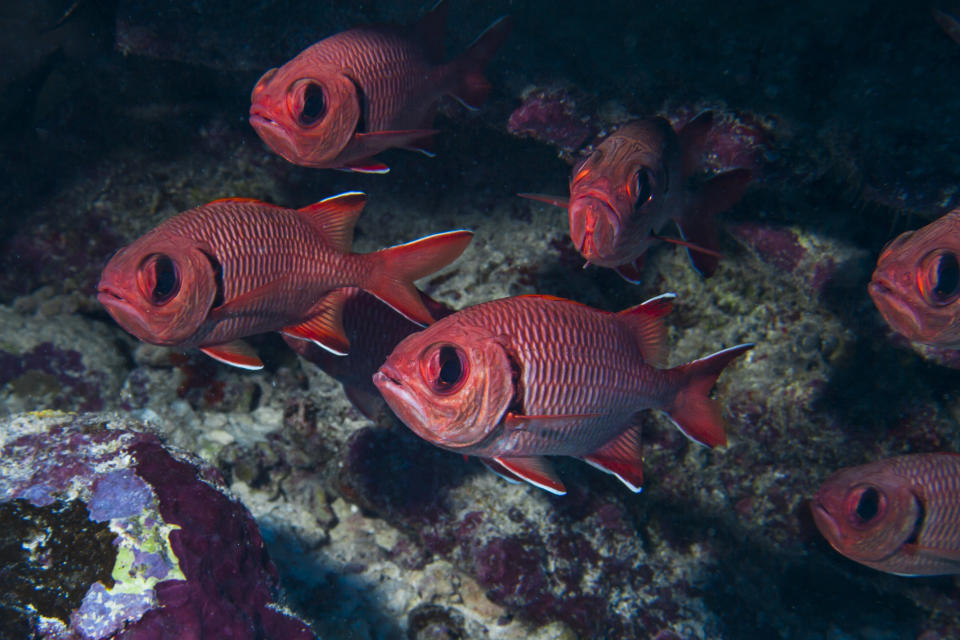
[[826, 523], [402, 401], [901, 317]]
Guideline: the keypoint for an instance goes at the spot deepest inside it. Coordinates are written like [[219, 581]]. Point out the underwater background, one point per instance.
[[114, 116]]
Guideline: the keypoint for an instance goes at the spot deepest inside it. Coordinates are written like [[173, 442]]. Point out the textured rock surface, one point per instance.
[[106, 534]]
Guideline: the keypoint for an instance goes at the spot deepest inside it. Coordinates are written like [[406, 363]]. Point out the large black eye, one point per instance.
[[948, 276], [939, 278], [644, 188], [166, 279], [869, 504], [158, 278], [313, 104], [451, 369], [444, 368]]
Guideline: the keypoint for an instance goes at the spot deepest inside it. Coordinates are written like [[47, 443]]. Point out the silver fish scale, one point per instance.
[[257, 245], [576, 361]]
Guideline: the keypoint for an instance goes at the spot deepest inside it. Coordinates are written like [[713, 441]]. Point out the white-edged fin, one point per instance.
[[237, 353], [334, 218], [325, 328], [645, 322], [621, 457], [501, 471], [534, 469]]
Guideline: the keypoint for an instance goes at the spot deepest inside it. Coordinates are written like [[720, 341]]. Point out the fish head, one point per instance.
[[614, 196], [305, 113], [160, 290], [450, 384], [866, 513], [916, 283]]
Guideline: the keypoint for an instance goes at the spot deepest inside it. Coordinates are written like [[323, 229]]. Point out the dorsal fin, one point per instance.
[[432, 31], [334, 218], [692, 137], [645, 321]]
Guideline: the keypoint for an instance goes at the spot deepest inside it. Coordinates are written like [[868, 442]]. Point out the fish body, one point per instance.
[[634, 183], [373, 329], [238, 267], [359, 92], [916, 283], [516, 379], [900, 515]]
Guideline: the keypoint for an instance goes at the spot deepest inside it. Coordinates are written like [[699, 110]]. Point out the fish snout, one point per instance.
[[594, 228]]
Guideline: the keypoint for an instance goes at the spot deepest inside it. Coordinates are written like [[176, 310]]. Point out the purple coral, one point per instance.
[[551, 116], [214, 580]]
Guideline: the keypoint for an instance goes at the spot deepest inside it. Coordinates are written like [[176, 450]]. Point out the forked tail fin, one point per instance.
[[396, 269], [693, 411]]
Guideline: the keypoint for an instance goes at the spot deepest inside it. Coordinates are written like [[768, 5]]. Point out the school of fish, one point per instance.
[[514, 380]]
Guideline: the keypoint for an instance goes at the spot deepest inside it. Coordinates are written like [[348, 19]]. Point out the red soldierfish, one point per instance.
[[634, 183], [359, 92], [916, 285], [373, 330], [517, 379], [239, 267], [899, 515]]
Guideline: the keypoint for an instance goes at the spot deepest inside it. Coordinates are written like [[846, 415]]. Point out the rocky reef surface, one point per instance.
[[377, 534]]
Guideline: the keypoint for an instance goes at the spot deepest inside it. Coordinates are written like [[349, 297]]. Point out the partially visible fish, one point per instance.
[[373, 329], [900, 515], [916, 284], [634, 183], [238, 267], [950, 24], [354, 94], [517, 379]]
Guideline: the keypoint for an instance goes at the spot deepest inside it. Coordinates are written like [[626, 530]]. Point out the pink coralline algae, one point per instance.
[[736, 140], [550, 115], [146, 546]]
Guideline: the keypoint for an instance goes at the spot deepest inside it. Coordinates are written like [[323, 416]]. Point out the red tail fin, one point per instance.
[[471, 86], [694, 413], [397, 268]]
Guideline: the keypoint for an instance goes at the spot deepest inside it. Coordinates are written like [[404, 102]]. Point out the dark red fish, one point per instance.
[[517, 379], [239, 267], [916, 284], [634, 183], [356, 93], [899, 515], [373, 329]]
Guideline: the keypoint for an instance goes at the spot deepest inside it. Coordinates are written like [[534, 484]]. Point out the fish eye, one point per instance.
[[444, 368], [939, 278], [644, 187], [314, 104], [865, 504], [159, 278]]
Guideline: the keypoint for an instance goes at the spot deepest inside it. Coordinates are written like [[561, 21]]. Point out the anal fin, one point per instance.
[[237, 353], [325, 327], [621, 457]]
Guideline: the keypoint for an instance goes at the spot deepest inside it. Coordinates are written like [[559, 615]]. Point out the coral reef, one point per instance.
[[105, 532]]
